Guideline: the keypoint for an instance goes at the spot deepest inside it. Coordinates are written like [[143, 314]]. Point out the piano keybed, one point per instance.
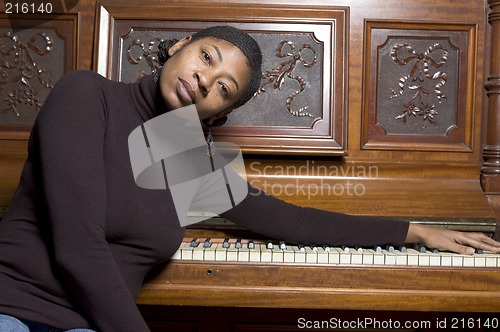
[[214, 268], [259, 251]]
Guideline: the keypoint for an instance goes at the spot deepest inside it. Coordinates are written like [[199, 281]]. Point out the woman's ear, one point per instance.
[[177, 46]]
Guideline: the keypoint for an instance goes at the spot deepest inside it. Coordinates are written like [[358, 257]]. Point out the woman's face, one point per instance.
[[210, 73]]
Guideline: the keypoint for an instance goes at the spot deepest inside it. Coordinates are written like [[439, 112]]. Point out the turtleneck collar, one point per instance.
[[147, 98]]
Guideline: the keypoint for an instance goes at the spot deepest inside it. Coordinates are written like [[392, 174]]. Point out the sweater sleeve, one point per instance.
[[68, 139], [270, 216]]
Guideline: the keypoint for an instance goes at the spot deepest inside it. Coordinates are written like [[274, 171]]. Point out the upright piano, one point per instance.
[[378, 108]]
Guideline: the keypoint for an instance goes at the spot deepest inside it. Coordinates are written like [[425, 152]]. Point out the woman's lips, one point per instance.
[[185, 92]]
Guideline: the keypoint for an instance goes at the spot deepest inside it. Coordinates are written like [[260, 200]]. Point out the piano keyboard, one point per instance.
[[241, 250]]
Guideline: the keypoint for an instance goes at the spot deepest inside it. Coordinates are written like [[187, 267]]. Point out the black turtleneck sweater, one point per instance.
[[80, 235]]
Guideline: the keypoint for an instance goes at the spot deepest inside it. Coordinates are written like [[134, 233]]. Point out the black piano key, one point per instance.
[[269, 244], [377, 249], [238, 244], [251, 245], [207, 243], [225, 244], [193, 243], [420, 248], [390, 248], [403, 249], [282, 245]]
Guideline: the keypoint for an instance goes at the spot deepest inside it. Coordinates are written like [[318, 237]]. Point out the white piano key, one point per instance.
[[322, 256], [221, 252], [288, 255], [209, 252], [492, 260], [311, 255], [333, 256], [468, 260], [345, 256], [479, 260], [457, 260], [434, 259], [243, 254], [446, 259], [424, 259], [299, 254], [277, 254], [401, 257], [232, 253], [368, 256], [266, 255], [412, 257], [255, 253], [378, 257], [187, 251], [356, 256], [199, 253], [389, 257]]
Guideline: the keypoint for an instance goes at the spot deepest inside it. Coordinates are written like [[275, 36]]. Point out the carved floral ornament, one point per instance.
[[275, 76], [418, 78], [17, 65]]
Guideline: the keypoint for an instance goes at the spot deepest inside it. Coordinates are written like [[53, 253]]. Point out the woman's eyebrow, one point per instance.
[[218, 51], [219, 54]]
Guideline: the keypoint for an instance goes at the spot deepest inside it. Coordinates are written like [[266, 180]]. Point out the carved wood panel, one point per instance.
[[418, 86], [34, 54], [301, 105]]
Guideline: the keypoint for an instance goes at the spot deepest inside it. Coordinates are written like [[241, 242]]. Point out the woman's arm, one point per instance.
[[270, 216], [275, 218], [68, 144]]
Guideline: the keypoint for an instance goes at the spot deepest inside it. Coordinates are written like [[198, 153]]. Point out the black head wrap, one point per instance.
[[238, 38]]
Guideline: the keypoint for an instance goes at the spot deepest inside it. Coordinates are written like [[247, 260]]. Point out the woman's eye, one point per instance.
[[224, 89], [206, 57]]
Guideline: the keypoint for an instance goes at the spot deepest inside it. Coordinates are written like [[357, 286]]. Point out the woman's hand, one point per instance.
[[449, 240]]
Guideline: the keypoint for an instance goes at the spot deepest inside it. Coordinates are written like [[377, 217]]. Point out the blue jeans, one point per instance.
[[12, 324]]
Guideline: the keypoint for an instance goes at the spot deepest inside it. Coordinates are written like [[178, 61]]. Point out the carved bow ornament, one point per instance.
[[419, 74], [277, 75], [19, 56], [149, 53]]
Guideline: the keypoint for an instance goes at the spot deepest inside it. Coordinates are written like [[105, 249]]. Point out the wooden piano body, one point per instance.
[[364, 150]]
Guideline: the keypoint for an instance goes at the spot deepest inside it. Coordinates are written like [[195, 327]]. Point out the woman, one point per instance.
[[80, 236]]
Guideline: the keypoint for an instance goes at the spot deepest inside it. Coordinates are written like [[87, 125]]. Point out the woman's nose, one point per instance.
[[203, 82]]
